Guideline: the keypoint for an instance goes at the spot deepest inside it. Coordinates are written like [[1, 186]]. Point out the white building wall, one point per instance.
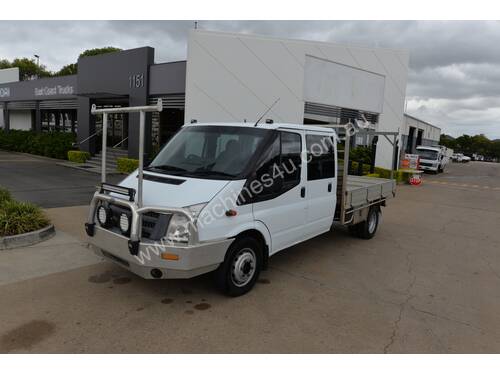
[[20, 120], [236, 77], [431, 132]]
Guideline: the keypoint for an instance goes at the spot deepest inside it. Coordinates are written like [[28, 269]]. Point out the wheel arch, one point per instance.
[[260, 235]]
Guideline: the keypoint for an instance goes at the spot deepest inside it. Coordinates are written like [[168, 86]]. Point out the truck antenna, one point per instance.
[[265, 113]]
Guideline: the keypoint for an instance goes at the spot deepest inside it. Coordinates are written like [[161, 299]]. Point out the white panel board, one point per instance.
[[9, 75], [331, 83]]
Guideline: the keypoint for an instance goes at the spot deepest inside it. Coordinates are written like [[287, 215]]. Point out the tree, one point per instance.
[[5, 64], [67, 70], [99, 51], [28, 68], [448, 141], [73, 68]]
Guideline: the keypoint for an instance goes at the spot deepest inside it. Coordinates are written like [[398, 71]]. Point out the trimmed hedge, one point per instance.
[[19, 217], [399, 176], [78, 156], [126, 165], [53, 145]]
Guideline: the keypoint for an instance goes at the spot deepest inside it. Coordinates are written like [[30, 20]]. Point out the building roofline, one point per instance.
[[425, 122], [309, 41], [170, 62]]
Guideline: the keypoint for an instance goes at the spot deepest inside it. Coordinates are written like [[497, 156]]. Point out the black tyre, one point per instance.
[[241, 267], [353, 230], [367, 229]]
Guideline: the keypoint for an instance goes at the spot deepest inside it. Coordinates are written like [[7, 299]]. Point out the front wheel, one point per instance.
[[241, 268]]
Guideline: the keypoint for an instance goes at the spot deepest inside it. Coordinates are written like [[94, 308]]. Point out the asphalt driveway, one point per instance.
[[42, 181], [429, 282]]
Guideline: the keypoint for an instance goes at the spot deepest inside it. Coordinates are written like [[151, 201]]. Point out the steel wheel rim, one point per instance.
[[372, 222], [243, 267]]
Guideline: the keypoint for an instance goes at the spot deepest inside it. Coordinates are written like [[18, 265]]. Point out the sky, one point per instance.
[[454, 77]]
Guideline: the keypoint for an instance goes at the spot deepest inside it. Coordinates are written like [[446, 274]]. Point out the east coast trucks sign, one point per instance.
[[39, 89], [54, 90]]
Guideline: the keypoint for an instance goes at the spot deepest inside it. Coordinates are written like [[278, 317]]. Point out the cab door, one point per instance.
[[281, 204], [321, 182]]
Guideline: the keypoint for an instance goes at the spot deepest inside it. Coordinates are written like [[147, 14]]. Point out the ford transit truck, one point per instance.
[[226, 197]]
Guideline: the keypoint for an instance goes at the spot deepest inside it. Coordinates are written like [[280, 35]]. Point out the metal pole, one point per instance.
[[394, 156], [346, 173], [104, 145], [142, 121]]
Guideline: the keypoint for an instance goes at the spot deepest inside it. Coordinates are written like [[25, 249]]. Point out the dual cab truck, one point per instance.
[[226, 197]]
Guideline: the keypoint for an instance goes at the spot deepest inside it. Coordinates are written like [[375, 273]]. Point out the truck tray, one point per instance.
[[361, 191]]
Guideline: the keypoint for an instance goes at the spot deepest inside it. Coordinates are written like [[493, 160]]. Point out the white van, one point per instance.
[[225, 197]]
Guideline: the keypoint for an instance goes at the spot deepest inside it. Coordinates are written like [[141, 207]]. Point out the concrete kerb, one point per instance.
[[27, 239]]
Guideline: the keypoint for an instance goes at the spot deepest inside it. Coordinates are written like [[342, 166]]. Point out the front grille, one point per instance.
[[154, 225]]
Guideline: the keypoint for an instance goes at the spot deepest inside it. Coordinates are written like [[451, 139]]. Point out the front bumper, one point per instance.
[[193, 260], [143, 256], [433, 168]]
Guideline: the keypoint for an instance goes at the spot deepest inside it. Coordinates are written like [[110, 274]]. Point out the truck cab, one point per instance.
[[431, 159], [225, 197]]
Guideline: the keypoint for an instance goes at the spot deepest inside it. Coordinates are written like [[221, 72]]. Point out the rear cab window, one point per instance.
[[320, 157]]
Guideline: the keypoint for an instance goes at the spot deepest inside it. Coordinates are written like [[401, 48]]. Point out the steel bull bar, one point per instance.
[[135, 202], [136, 214]]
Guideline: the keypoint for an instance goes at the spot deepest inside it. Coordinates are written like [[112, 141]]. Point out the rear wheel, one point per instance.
[[367, 229], [241, 268]]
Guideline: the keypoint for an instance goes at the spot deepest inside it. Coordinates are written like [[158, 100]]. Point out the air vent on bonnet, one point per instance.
[[163, 180]]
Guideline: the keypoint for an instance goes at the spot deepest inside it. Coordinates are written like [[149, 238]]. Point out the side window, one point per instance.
[[277, 171], [320, 157], [269, 161], [291, 147]]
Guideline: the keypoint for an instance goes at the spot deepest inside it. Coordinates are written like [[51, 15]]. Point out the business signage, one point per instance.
[[54, 90], [4, 92]]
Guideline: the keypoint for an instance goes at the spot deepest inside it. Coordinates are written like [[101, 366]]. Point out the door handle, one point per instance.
[[330, 187], [303, 192]]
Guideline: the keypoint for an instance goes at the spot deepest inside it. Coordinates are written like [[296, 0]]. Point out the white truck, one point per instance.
[[433, 159], [226, 197]]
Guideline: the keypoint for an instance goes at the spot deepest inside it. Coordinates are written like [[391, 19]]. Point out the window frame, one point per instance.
[[285, 186], [322, 157]]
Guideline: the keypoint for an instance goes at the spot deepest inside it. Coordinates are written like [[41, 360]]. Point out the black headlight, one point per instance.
[[104, 216]]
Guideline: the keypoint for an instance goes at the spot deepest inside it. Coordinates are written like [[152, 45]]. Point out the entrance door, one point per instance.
[[321, 182], [118, 130]]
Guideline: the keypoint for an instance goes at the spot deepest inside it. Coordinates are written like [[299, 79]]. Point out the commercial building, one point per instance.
[[416, 132], [227, 77]]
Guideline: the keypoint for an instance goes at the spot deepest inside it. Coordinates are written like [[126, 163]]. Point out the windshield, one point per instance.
[[427, 154], [209, 151]]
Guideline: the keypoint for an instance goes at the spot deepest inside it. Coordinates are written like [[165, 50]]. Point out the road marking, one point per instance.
[[485, 187]]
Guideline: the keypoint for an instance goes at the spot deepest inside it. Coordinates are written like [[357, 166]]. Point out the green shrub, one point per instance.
[[78, 156], [361, 154], [53, 145], [376, 175], [126, 165], [4, 196], [20, 217]]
